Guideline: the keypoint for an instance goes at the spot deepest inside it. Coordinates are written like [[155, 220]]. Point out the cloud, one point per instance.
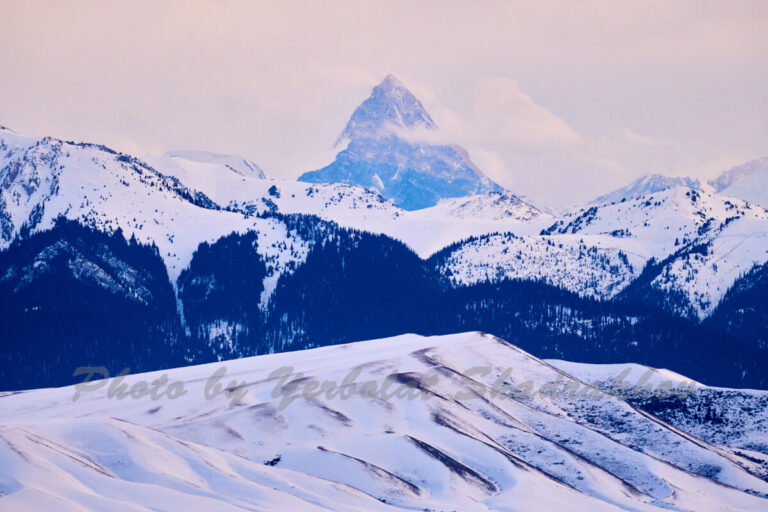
[[491, 164], [507, 116], [638, 138], [500, 116]]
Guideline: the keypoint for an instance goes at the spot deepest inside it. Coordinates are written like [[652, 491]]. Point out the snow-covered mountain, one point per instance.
[[206, 162], [461, 422], [649, 184], [42, 179], [257, 265], [490, 206], [386, 149], [700, 242], [183, 199], [748, 181]]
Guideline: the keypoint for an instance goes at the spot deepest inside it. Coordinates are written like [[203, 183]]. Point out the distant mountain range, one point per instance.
[[747, 182], [193, 256]]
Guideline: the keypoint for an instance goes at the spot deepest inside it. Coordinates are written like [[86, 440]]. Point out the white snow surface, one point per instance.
[[280, 443], [492, 206]]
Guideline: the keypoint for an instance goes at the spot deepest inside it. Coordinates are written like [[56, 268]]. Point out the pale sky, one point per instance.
[[561, 101]]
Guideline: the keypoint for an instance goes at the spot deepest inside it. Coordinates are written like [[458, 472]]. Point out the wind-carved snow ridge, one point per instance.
[[467, 422]]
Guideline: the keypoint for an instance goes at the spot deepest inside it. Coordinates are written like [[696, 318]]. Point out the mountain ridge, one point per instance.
[[649, 184]]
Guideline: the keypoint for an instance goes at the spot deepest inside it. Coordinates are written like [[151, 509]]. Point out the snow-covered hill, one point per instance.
[[461, 422], [649, 184], [748, 181], [385, 148]]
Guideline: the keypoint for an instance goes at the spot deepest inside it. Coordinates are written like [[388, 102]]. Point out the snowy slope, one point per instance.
[[41, 179], [703, 241], [748, 182], [649, 184], [735, 418], [233, 163], [432, 440], [706, 241], [586, 265]]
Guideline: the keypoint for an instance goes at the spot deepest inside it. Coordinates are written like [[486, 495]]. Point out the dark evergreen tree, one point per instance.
[[75, 297]]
